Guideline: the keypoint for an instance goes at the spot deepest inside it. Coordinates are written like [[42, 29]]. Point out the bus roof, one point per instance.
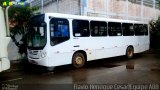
[[58, 15]]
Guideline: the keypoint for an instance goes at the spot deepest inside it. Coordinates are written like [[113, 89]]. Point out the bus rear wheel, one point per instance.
[[130, 52], [78, 60]]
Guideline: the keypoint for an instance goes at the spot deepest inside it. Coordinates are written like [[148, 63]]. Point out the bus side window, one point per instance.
[[114, 29], [98, 28], [145, 27], [127, 29], [59, 30], [138, 28], [80, 28], [63, 30]]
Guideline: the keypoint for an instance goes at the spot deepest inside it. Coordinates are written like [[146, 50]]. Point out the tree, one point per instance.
[[155, 33], [19, 17]]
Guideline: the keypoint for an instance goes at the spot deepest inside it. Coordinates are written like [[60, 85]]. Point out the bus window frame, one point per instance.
[[147, 32], [116, 30], [88, 31], [99, 25], [54, 28], [123, 29], [135, 33]]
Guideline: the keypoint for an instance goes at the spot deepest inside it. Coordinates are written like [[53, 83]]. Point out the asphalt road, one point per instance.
[[143, 69]]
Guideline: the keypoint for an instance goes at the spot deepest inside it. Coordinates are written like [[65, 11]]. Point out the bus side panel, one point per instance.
[[61, 58], [96, 48], [5, 62], [60, 54], [102, 47], [106, 47], [142, 44]]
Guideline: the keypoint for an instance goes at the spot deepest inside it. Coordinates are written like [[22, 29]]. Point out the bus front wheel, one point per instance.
[[78, 60], [130, 52]]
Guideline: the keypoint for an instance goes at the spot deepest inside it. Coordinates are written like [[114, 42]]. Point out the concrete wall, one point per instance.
[[13, 53], [64, 6], [121, 9]]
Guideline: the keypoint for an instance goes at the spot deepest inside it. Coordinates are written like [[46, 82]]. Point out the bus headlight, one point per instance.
[[43, 54]]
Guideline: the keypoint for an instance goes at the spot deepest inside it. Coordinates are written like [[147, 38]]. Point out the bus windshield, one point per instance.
[[37, 33]]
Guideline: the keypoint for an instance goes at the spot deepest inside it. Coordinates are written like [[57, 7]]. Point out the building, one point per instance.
[[141, 10]]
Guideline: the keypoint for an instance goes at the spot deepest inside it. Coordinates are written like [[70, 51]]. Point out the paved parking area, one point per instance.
[[142, 69]]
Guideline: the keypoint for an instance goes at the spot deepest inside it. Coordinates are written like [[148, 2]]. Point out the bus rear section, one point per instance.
[[4, 41], [4, 61]]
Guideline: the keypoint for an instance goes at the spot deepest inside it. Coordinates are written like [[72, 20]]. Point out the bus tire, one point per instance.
[[130, 52], [78, 60]]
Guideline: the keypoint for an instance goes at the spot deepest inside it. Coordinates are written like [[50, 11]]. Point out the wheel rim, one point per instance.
[[79, 61], [130, 52]]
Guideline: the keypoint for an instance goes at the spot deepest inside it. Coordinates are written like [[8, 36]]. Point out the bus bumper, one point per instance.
[[4, 64], [41, 62]]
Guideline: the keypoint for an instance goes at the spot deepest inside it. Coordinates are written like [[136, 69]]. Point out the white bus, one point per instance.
[[4, 41], [60, 39]]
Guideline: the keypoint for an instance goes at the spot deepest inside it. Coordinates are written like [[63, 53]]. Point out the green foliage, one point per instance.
[[155, 28], [155, 33], [19, 17]]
